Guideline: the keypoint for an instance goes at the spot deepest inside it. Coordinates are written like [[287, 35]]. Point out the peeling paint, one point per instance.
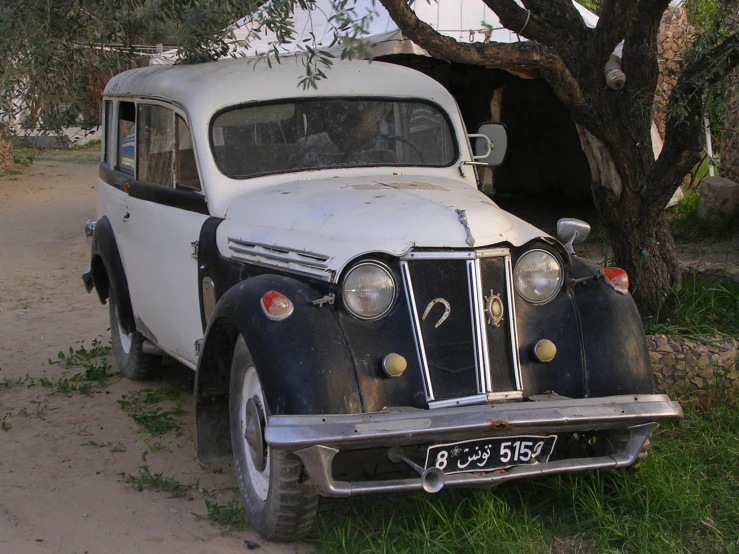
[[462, 214], [396, 186]]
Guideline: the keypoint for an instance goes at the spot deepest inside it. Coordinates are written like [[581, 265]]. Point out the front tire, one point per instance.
[[279, 500], [128, 349]]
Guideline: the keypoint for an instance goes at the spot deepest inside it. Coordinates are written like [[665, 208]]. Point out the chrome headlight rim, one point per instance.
[[561, 277], [384, 267]]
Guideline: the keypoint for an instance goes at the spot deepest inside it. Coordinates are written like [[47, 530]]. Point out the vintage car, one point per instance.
[[324, 261]]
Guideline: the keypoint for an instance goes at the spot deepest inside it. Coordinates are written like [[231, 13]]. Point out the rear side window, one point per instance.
[[127, 137], [109, 152], [155, 146], [186, 170]]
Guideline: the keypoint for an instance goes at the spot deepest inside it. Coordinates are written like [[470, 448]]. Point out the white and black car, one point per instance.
[[324, 261]]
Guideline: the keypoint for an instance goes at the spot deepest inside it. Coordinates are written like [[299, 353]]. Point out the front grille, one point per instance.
[[449, 358], [465, 352]]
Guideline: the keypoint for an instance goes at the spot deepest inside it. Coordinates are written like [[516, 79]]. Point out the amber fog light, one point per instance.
[[394, 365], [545, 350], [368, 291]]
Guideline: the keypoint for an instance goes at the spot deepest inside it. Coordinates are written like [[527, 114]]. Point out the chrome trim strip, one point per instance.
[[471, 294], [320, 275], [465, 401], [439, 255], [505, 395], [416, 426], [482, 325], [318, 463], [513, 322], [282, 249], [493, 253], [417, 330], [276, 257]]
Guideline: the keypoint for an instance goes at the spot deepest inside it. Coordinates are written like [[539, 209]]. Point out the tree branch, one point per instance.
[[614, 21], [524, 55], [685, 118]]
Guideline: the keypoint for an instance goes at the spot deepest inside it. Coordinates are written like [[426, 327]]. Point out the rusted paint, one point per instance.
[[415, 185], [500, 425]]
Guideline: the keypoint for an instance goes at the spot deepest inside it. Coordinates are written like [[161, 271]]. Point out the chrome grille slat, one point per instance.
[[466, 342]]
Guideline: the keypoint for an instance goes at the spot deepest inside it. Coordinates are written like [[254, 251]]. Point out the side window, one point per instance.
[[109, 152], [186, 170], [155, 145], [127, 137]]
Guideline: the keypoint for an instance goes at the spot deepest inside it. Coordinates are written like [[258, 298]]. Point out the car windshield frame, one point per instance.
[[445, 117]]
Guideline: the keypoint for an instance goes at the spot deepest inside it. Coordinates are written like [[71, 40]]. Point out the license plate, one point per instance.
[[490, 454]]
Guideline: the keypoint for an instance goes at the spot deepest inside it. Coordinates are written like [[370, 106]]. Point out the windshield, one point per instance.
[[325, 133]]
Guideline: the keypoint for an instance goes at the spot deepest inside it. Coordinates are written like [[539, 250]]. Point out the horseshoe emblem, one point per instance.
[[494, 309], [434, 302]]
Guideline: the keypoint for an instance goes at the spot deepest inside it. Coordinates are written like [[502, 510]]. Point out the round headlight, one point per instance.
[[368, 290], [538, 276]]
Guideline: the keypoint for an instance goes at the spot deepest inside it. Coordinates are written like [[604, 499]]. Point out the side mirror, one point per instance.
[[572, 231], [490, 144]]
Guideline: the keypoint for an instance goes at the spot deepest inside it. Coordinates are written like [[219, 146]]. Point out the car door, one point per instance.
[[165, 211]]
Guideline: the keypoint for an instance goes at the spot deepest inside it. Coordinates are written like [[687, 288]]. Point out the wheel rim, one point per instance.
[[124, 337], [251, 423]]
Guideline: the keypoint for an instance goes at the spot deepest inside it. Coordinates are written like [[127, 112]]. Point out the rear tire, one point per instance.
[[127, 349], [278, 498]]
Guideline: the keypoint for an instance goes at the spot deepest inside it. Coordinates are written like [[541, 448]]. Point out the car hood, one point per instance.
[[341, 218]]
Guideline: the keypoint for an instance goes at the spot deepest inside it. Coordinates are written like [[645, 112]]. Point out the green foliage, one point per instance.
[[230, 516], [5, 424], [683, 498], [92, 360], [687, 224], [698, 310], [143, 408], [145, 479]]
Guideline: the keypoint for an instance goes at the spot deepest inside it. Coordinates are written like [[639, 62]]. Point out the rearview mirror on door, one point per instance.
[[490, 143]]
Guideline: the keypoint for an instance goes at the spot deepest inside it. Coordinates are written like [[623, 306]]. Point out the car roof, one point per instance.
[[203, 89]]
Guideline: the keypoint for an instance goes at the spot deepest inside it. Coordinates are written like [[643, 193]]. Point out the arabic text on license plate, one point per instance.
[[490, 454]]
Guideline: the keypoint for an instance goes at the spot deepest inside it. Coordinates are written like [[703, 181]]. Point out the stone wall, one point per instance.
[[682, 366], [675, 36]]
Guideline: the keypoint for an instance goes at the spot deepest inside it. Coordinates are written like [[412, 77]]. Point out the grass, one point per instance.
[[143, 408], [145, 479], [686, 224], [696, 310], [229, 516], [683, 498], [92, 361], [86, 154]]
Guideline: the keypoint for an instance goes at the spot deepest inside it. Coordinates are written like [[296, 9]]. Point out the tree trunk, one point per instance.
[[638, 230], [6, 148], [730, 140]]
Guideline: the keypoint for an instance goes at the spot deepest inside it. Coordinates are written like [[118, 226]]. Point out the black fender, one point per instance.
[[614, 346], [304, 363], [108, 274]]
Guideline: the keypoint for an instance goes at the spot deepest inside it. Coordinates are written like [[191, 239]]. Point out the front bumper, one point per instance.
[[317, 439]]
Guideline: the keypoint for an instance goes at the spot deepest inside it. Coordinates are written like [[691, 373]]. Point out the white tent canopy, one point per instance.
[[463, 20]]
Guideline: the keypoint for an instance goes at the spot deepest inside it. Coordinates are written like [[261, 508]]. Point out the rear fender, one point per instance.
[[108, 275]]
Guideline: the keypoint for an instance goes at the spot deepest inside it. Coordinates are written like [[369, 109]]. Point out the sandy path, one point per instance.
[[57, 495]]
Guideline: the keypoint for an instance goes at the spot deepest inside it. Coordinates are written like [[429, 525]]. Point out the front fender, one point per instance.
[[614, 346], [303, 362]]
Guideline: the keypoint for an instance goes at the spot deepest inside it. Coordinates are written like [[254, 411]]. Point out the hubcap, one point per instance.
[[122, 335], [251, 422], [255, 433]]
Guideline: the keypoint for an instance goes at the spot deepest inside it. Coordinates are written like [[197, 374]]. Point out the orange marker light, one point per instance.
[[618, 278], [276, 306]]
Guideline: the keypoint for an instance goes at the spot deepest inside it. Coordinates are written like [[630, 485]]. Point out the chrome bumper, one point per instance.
[[317, 439]]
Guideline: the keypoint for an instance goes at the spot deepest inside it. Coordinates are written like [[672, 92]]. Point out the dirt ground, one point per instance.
[[58, 492]]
